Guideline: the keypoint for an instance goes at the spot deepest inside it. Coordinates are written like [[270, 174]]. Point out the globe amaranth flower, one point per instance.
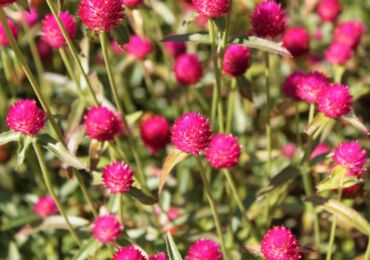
[[118, 177], [25, 117], [44, 49], [335, 101], [101, 16], [349, 33], [297, 41], [320, 149], [175, 48], [45, 206], [290, 85], [155, 132], [236, 60], [128, 253], [329, 10], [311, 85], [30, 17], [351, 156], [191, 133], [52, 35], [212, 8], [268, 19], [138, 47], [188, 69], [204, 249], [158, 256], [289, 150], [102, 124], [6, 2], [4, 41], [280, 244], [106, 228], [132, 3], [338, 53], [223, 151]]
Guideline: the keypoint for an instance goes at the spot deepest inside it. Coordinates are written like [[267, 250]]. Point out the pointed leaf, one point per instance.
[[88, 249], [285, 176], [317, 124], [337, 180], [189, 19], [355, 122], [97, 178], [8, 137], [199, 37], [121, 35], [58, 222], [23, 144], [172, 250], [133, 117], [142, 197], [245, 88]]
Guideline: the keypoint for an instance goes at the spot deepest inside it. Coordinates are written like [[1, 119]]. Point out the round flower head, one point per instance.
[[44, 50], [138, 47], [102, 124], [335, 101], [188, 69], [101, 16], [289, 150], [311, 85], [280, 244], [118, 177], [338, 53], [6, 2], [175, 48], [291, 84], [297, 41], [132, 3], [52, 35], [223, 151], [268, 19], [329, 10], [236, 60], [45, 206], [320, 149], [349, 33], [106, 228], [204, 249], [158, 256], [351, 156], [25, 117], [155, 132], [191, 133], [212, 8], [30, 17], [4, 41], [128, 253]]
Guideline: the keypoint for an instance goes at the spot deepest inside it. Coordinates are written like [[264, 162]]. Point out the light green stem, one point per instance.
[[268, 111], [70, 70], [367, 254], [230, 105]]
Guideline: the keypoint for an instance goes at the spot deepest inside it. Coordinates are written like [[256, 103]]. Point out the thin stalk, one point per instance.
[[296, 125], [230, 105], [268, 108], [70, 70], [211, 201], [367, 254], [148, 82], [49, 186], [6, 64]]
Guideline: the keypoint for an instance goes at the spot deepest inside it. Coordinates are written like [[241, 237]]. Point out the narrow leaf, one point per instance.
[[199, 37], [8, 137], [317, 123], [337, 180], [133, 117], [245, 88], [142, 197], [173, 252], [58, 222], [88, 249], [355, 122], [23, 144], [121, 35], [283, 177]]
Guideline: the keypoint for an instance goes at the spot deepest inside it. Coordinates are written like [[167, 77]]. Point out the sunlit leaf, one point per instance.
[[172, 250], [199, 37], [337, 179], [134, 117], [355, 122], [88, 249], [58, 222], [8, 137], [23, 144]]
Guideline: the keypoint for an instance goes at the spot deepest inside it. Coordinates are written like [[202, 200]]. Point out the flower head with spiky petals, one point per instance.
[[297, 41], [335, 101], [155, 132], [311, 85], [45, 206], [236, 60], [204, 249], [223, 151], [106, 228], [138, 47], [351, 156], [118, 177], [128, 253], [188, 69], [212, 8]]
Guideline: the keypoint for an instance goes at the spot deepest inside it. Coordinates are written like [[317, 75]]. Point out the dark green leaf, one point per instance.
[[121, 35], [142, 197], [287, 174], [245, 87], [199, 37]]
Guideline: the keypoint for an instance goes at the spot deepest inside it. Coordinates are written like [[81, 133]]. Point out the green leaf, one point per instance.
[[317, 125], [58, 222], [338, 179], [245, 87], [28, 218], [220, 23], [8, 137], [23, 144], [121, 35], [199, 37], [89, 248], [133, 117], [355, 122], [287, 174], [172, 250], [188, 20], [142, 197]]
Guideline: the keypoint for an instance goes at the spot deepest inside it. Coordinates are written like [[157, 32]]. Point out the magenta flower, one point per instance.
[[191, 133], [175, 48], [25, 117], [52, 35], [212, 8], [236, 60], [329, 10], [291, 84], [223, 151], [155, 132], [6, 2], [118, 177], [138, 47], [102, 124], [204, 249], [132, 3], [311, 85], [280, 244], [289, 150], [335, 101], [101, 16], [45, 206], [297, 41], [351, 156], [349, 33], [188, 69], [106, 228], [117, 48], [44, 50], [338, 53], [268, 19], [4, 41], [128, 253], [320, 149], [158, 256], [30, 17]]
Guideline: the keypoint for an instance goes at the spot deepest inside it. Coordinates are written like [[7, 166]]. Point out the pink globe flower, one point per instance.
[[4, 41], [320, 149], [268, 19], [106, 228], [25, 117], [351, 156], [6, 2], [335, 101], [291, 84], [212, 8], [158, 256], [188, 69], [338, 53], [280, 244], [128, 253], [311, 85], [175, 48], [52, 35], [289, 150], [155, 132], [102, 124], [223, 151], [138, 47], [132, 3], [204, 249], [191, 133], [30, 17], [349, 33], [236, 60], [118, 177], [101, 16], [329, 10], [297, 41], [117, 49], [44, 50], [45, 206]]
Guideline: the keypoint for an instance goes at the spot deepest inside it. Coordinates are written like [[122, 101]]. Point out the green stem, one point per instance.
[[49, 186], [268, 108], [70, 70], [148, 82], [230, 105], [367, 255], [6, 64], [296, 125]]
